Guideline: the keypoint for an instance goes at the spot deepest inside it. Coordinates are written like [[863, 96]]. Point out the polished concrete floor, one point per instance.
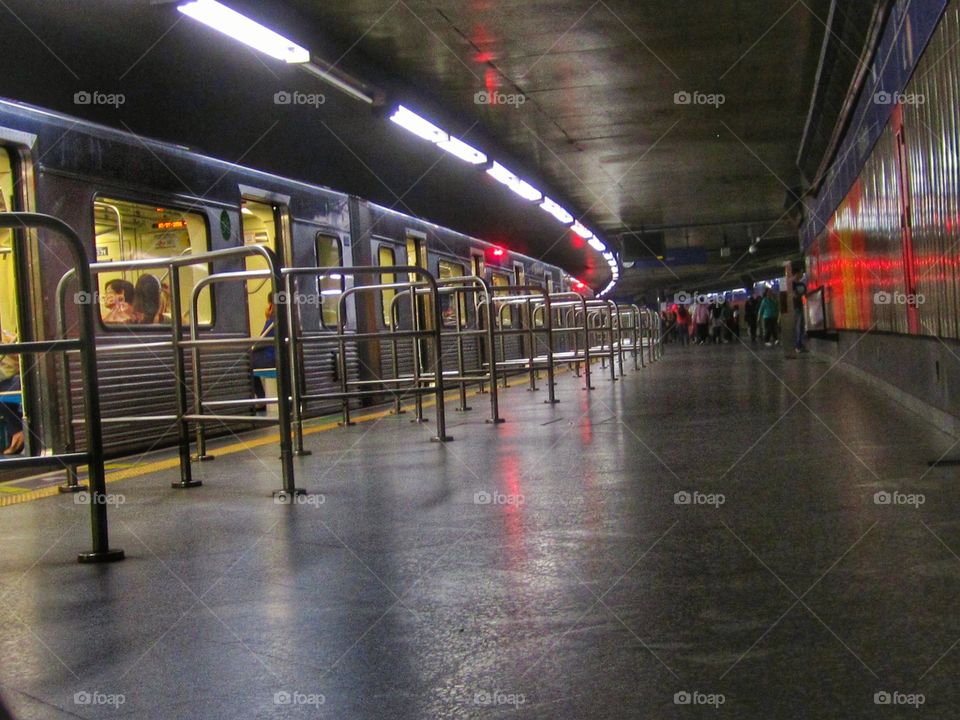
[[545, 568]]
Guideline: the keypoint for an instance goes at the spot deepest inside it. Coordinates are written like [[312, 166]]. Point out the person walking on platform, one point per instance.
[[701, 318], [769, 313], [750, 309], [683, 323], [716, 322], [799, 292]]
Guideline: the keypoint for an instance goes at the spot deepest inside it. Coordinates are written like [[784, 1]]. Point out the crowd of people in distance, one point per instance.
[[142, 304], [719, 321]]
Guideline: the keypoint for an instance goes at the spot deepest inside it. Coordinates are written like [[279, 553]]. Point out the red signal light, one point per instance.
[[499, 252]]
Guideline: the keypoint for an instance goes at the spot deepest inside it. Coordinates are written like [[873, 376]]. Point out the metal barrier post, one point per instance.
[[101, 551]]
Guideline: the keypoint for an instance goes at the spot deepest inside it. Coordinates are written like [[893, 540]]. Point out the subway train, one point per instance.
[[131, 198]]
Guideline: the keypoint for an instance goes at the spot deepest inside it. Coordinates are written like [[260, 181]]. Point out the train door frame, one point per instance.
[[417, 241], [31, 311], [283, 228]]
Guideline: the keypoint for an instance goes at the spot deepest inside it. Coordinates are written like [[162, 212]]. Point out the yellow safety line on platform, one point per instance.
[[22, 496]]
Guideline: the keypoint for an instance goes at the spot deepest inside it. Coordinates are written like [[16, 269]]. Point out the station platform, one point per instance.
[[704, 532]]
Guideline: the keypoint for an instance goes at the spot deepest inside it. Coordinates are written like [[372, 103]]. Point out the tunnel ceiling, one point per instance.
[[602, 125]]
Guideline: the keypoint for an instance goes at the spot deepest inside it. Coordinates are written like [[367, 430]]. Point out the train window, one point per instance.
[[502, 280], [416, 253], [386, 257], [330, 254], [478, 266], [8, 276], [519, 276], [126, 230], [448, 311]]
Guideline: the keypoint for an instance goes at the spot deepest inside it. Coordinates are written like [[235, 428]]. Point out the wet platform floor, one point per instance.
[[703, 538]]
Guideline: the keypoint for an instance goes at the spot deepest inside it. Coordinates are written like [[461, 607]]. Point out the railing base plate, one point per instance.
[[202, 458], [302, 453], [184, 485], [495, 421], [108, 556], [72, 488], [442, 439]]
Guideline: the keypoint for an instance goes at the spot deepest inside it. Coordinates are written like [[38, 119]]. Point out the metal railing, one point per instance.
[[424, 337], [480, 326], [179, 345], [85, 346]]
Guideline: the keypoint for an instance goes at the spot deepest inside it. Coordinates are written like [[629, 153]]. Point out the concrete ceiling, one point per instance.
[[599, 127]]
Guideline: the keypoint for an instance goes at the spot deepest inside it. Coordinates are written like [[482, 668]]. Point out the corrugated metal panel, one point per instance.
[[142, 382]]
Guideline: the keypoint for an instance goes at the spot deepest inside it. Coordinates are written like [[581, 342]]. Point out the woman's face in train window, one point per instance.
[[110, 299]]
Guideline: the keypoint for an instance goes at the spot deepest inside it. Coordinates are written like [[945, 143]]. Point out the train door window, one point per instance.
[[385, 258], [261, 226], [8, 274], [501, 280], [550, 284], [478, 266], [449, 311], [330, 254], [416, 252], [126, 230], [519, 276]]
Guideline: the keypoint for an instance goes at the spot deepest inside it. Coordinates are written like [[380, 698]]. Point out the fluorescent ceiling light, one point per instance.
[[247, 31], [460, 149], [580, 230], [608, 256], [558, 212], [412, 122], [337, 82], [520, 187], [597, 245]]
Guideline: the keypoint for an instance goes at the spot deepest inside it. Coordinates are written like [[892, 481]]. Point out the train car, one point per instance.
[[131, 198]]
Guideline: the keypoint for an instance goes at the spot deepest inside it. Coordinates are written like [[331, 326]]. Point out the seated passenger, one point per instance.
[[118, 302], [10, 417], [146, 301], [264, 358]]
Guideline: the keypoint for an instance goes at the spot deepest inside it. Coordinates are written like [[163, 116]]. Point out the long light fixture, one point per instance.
[[521, 187], [249, 32], [597, 244], [556, 210], [410, 121], [460, 149], [341, 84], [580, 230]]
